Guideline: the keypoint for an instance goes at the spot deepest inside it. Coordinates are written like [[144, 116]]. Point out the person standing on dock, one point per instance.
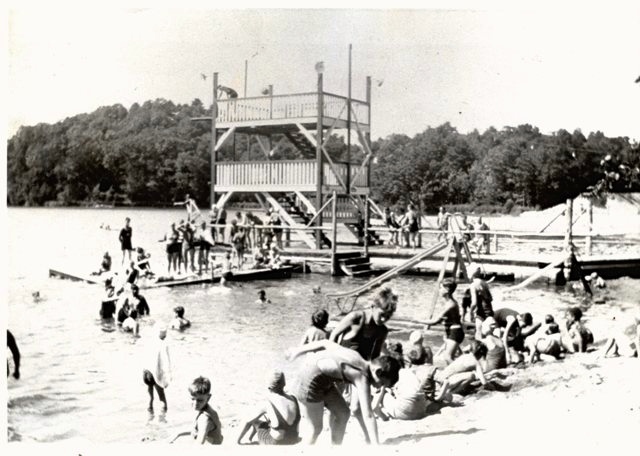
[[392, 224], [411, 226], [482, 240], [125, 236]]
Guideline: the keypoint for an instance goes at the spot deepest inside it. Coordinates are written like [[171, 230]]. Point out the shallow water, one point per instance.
[[80, 382]]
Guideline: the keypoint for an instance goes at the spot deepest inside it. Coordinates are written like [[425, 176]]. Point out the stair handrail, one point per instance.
[[392, 272]]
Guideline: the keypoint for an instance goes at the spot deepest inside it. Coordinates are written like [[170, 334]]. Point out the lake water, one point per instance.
[[79, 382]]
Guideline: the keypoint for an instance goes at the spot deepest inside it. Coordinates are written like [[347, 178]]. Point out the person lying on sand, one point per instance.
[[625, 341]]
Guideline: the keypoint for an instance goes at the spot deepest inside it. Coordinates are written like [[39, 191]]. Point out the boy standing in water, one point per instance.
[[207, 427], [126, 234], [158, 373]]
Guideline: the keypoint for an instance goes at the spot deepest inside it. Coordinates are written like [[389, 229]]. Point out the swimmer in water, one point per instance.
[[262, 298], [317, 330], [179, 322]]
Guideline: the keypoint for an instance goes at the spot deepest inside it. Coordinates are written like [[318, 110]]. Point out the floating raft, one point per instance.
[[284, 272]]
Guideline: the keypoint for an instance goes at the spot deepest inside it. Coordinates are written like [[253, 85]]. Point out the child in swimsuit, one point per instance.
[[317, 330], [316, 387], [207, 427], [451, 319], [278, 419], [179, 322]]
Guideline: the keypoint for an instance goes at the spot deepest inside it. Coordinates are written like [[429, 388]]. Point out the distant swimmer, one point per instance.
[[262, 298], [596, 280], [15, 353], [179, 322], [36, 296]]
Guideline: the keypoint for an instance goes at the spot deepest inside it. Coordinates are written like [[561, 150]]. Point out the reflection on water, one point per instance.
[[79, 381]]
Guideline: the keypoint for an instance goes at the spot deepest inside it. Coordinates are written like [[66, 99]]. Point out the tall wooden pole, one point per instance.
[[367, 138], [246, 70], [590, 233], [214, 114], [568, 237], [319, 165], [366, 226], [349, 128], [334, 234]]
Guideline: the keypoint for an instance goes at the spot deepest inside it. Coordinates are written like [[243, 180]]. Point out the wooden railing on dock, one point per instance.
[[294, 106], [280, 175]]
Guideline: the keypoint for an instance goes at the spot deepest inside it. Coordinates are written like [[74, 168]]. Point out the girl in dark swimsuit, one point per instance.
[[451, 319], [278, 420], [316, 387]]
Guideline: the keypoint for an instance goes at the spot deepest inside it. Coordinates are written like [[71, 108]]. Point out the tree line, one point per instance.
[[153, 154]]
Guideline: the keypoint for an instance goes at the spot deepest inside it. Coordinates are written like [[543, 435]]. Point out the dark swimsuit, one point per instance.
[[368, 341], [125, 238], [453, 325], [290, 431]]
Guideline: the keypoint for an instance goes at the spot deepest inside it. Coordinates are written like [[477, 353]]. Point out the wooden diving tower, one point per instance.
[[306, 120]]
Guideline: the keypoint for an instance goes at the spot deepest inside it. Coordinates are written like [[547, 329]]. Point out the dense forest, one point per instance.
[[154, 153]]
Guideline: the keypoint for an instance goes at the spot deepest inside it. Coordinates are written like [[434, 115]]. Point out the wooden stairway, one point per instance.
[[299, 216], [354, 264], [302, 143]]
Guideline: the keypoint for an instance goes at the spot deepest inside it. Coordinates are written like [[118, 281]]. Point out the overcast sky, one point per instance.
[[570, 68]]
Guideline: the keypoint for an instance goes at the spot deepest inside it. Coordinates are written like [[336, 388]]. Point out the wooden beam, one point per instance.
[[214, 113], [333, 125], [224, 137], [313, 141], [265, 150], [306, 202], [320, 168]]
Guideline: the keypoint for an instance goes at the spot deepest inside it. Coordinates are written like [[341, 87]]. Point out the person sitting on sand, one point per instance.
[[517, 328], [451, 319], [317, 330], [541, 343], [130, 324], [550, 326], [580, 335], [316, 388], [157, 373], [412, 395], [625, 341], [179, 322], [277, 420], [262, 298], [395, 350], [207, 427], [498, 355]]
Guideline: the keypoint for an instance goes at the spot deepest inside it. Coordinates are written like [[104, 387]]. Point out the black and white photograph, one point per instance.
[[328, 226]]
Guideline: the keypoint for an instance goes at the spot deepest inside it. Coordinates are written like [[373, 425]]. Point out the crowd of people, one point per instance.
[[353, 370], [404, 229]]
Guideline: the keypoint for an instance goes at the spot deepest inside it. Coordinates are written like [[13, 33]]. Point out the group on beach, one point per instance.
[[353, 370]]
